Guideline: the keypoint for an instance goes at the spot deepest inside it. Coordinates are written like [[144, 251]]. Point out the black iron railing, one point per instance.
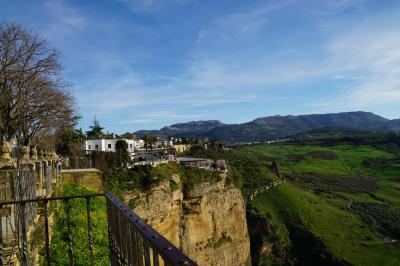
[[131, 240]]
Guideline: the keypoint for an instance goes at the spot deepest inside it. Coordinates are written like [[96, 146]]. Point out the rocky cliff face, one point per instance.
[[208, 223]]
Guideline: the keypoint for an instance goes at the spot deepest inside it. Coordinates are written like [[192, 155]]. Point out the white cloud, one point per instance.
[[365, 55], [368, 55], [65, 21], [233, 27], [159, 116], [151, 6], [65, 14]]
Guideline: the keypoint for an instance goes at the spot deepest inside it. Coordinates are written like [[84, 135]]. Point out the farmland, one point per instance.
[[341, 202]]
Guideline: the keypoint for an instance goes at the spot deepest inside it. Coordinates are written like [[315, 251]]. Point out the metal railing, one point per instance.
[[134, 242], [131, 240]]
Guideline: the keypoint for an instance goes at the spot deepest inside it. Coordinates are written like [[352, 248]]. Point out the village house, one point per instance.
[[108, 141]]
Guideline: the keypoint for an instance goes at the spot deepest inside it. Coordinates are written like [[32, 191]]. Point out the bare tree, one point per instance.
[[51, 109], [33, 97]]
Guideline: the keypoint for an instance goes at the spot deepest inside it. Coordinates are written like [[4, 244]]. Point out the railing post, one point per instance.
[[128, 244], [155, 257], [67, 208], [118, 237], [134, 245], [89, 226], [1, 237], [24, 239], [111, 240], [146, 252], [46, 231]]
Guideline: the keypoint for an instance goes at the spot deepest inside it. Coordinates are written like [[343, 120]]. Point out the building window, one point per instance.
[[97, 146], [131, 145], [109, 146], [90, 147]]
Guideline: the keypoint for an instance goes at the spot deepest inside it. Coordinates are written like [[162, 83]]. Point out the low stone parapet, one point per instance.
[[90, 178]]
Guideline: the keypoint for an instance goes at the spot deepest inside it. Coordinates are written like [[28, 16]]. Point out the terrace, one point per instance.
[[27, 198]]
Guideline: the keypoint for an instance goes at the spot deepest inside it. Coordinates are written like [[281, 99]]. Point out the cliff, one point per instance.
[[208, 222]]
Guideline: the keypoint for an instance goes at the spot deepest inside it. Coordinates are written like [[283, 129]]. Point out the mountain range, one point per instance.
[[275, 127]]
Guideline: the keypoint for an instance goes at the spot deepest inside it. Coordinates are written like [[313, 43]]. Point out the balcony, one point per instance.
[[28, 204], [131, 240]]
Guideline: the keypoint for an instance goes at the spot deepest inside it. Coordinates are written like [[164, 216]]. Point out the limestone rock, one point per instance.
[[208, 224]]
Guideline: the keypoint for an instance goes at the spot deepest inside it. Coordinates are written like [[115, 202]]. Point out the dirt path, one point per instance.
[[266, 188]]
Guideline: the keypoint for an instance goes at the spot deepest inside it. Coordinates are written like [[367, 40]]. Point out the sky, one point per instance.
[[145, 64]]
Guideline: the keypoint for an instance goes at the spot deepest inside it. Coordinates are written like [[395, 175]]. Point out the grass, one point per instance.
[[344, 234], [58, 245], [245, 171]]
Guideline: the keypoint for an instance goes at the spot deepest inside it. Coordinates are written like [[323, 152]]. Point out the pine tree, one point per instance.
[[96, 129]]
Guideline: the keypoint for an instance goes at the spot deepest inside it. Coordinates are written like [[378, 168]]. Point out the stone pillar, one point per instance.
[[5, 159], [31, 189], [53, 157], [34, 155], [25, 156], [37, 170], [7, 172], [41, 172], [49, 189], [27, 175]]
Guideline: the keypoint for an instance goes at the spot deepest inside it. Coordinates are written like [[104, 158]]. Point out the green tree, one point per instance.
[[149, 141], [95, 130], [70, 141], [121, 146], [121, 149]]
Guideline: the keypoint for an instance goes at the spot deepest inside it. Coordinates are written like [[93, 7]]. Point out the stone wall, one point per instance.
[[89, 178]]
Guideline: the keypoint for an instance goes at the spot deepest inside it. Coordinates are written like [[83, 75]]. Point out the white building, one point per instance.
[[106, 144], [164, 142]]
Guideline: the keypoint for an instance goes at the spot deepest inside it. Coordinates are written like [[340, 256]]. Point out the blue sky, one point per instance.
[[144, 64]]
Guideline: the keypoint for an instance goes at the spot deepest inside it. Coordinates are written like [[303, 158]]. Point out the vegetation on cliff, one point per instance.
[[245, 172], [142, 177]]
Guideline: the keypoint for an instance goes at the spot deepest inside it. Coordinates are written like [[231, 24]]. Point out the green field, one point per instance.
[[343, 234]]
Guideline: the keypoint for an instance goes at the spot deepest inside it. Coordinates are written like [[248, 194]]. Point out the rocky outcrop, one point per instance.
[[208, 223]]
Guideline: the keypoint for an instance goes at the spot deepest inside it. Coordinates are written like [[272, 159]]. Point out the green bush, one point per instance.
[[132, 204], [173, 185], [223, 240], [246, 173], [142, 177]]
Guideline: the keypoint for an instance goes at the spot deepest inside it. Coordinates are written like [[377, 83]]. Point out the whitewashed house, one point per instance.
[[107, 143], [163, 142]]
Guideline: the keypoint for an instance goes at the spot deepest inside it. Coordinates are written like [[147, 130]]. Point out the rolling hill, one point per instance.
[[275, 127]]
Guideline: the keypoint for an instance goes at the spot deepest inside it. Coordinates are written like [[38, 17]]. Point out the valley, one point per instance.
[[351, 210]]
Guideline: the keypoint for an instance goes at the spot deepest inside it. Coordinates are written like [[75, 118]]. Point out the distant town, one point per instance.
[[147, 150]]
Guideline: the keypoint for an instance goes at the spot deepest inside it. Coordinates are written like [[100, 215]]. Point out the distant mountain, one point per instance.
[[275, 127], [193, 128], [392, 125]]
